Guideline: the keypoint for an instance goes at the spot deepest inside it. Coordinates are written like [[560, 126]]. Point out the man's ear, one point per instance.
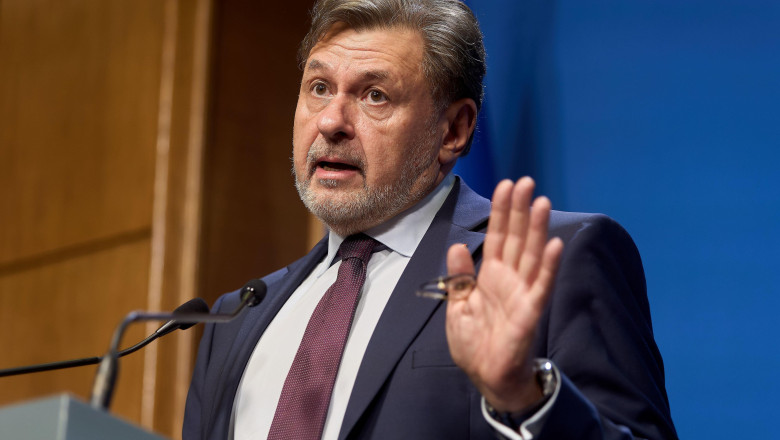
[[460, 118]]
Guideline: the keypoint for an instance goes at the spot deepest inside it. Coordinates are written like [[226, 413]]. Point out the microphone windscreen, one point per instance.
[[195, 305], [256, 288]]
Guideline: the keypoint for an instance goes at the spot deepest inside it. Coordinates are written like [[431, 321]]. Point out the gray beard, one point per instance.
[[369, 206]]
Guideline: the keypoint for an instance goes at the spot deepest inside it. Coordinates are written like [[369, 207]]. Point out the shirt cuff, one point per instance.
[[530, 427]]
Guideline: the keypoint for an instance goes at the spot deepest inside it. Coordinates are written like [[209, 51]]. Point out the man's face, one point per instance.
[[365, 140]]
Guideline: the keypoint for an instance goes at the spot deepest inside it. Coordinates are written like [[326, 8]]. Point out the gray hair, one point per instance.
[[453, 56]]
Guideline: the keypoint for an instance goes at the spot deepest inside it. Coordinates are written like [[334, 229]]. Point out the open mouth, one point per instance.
[[336, 166]]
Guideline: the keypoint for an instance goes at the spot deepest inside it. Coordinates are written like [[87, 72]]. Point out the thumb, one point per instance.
[[459, 260]]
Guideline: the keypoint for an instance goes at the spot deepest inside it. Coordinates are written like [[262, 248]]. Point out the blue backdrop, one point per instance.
[[664, 115]]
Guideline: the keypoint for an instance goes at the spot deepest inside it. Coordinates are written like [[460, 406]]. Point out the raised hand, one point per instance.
[[490, 329]]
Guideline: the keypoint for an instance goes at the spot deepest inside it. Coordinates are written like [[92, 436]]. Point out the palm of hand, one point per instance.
[[492, 325], [491, 329]]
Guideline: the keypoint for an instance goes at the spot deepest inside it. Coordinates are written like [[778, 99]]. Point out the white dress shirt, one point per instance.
[[263, 379]]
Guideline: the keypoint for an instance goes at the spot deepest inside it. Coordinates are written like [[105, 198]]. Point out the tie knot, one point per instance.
[[357, 246]]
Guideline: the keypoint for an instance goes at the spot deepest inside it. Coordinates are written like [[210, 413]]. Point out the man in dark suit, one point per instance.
[[534, 341]]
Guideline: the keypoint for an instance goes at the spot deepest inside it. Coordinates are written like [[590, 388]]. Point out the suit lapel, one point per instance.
[[405, 313], [254, 322]]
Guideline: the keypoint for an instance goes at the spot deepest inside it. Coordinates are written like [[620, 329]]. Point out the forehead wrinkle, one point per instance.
[[369, 75], [375, 75]]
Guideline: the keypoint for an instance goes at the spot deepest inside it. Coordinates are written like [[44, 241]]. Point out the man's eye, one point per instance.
[[376, 97], [319, 89]]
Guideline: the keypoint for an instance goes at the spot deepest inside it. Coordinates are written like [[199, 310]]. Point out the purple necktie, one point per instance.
[[303, 405]]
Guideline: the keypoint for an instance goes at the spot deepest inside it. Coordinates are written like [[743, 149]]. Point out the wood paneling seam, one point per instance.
[[192, 201], [160, 204], [75, 251]]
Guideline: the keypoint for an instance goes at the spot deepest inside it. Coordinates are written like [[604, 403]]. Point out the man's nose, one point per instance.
[[336, 119]]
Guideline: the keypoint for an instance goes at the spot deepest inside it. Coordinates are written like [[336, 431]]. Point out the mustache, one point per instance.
[[340, 151]]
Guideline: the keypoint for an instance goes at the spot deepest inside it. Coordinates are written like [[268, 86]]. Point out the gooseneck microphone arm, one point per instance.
[[191, 306], [105, 379]]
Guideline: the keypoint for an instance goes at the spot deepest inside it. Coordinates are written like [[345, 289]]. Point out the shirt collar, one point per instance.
[[403, 232]]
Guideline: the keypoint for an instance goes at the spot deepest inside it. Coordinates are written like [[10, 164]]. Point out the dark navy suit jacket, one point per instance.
[[596, 329]]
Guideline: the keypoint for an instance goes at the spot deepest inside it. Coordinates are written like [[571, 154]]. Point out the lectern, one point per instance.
[[64, 417]]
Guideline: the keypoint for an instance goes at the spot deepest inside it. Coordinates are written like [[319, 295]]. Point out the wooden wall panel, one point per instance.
[[144, 160], [69, 309], [253, 222], [177, 221], [79, 89], [79, 110]]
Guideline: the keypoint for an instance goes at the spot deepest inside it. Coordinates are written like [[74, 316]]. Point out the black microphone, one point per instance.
[[195, 305], [252, 294]]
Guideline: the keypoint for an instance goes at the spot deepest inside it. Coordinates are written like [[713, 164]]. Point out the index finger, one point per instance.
[[498, 224]]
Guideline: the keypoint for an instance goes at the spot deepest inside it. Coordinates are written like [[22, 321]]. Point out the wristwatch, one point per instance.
[[545, 376], [544, 372]]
